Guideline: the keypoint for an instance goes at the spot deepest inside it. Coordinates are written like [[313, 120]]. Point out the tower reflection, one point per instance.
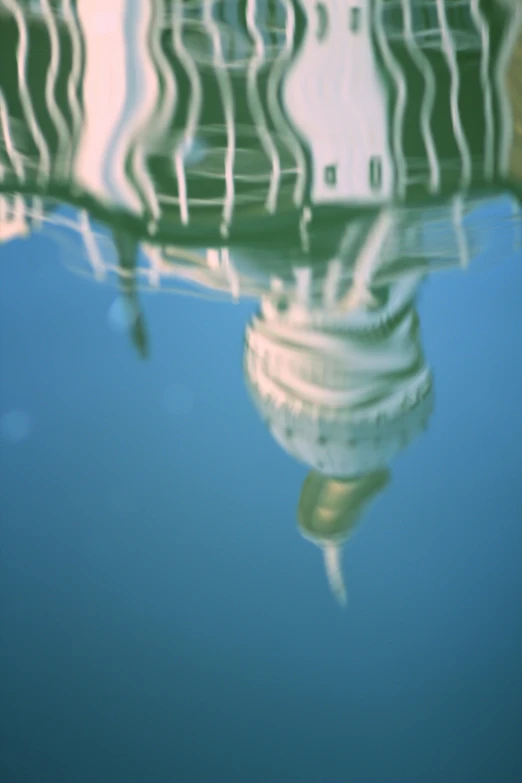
[[340, 379]]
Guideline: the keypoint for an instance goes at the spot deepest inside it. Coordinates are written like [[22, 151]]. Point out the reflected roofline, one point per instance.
[[262, 228]]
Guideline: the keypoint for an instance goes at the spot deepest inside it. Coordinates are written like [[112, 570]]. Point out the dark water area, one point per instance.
[[260, 463]]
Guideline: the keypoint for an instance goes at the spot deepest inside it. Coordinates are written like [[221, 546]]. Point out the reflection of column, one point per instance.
[[514, 91], [13, 220], [127, 249], [20, 215], [24, 90], [506, 68]]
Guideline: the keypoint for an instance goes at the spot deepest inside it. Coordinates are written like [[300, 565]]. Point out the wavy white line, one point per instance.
[[451, 58], [62, 156], [227, 98], [277, 74], [25, 98], [429, 95], [489, 141], [400, 106], [257, 108], [194, 112]]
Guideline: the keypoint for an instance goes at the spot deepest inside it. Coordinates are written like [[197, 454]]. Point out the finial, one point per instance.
[[332, 561]]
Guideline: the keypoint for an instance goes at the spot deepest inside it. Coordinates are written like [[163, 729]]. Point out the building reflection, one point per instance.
[[340, 379], [322, 158]]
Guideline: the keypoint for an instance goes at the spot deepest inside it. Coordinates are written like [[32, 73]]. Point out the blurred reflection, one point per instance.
[[341, 381], [323, 158], [127, 250]]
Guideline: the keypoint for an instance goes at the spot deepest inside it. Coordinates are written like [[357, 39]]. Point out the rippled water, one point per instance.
[[260, 375]]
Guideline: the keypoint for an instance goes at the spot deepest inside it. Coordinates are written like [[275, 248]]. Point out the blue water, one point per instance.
[[161, 617]]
